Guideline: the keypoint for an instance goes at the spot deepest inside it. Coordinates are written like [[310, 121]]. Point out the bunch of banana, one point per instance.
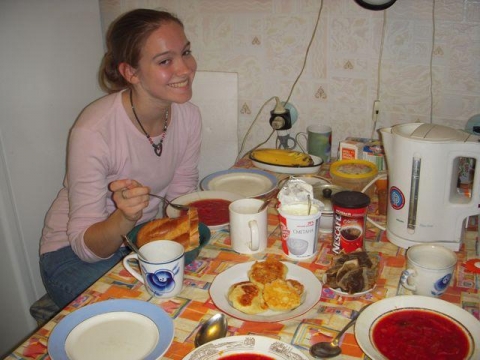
[[282, 157]]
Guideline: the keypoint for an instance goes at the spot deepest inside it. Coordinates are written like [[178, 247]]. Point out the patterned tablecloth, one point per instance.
[[321, 323]]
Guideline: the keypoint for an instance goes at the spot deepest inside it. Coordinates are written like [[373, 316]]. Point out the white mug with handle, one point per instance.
[[162, 269], [248, 226], [429, 269]]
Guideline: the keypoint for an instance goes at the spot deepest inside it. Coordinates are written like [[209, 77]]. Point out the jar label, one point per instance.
[[348, 230]]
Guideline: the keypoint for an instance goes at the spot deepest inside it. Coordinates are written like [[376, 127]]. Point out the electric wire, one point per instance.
[[379, 69], [307, 51], [431, 62], [250, 129], [288, 98]]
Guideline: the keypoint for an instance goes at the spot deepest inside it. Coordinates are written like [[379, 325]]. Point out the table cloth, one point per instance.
[[194, 305]]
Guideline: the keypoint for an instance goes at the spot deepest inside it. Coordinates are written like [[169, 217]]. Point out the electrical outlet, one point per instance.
[[376, 110]]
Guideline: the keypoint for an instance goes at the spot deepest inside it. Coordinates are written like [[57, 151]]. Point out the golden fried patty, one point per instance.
[[247, 297], [264, 272], [281, 295]]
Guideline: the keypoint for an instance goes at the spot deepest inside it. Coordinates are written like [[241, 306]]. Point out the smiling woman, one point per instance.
[[143, 137]]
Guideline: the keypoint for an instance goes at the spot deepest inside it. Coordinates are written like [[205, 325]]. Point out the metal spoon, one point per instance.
[[133, 247], [175, 206], [309, 204], [212, 329], [323, 350], [264, 205]]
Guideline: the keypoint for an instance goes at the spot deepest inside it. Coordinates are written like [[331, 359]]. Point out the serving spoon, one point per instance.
[[212, 329], [324, 350]]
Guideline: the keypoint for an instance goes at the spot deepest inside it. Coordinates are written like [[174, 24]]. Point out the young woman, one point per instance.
[[144, 137]]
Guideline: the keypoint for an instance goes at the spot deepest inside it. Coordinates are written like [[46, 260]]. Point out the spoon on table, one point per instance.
[[323, 350], [212, 329], [133, 246]]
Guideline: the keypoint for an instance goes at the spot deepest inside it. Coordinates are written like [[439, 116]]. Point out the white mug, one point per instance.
[[248, 227], [162, 269], [429, 269]]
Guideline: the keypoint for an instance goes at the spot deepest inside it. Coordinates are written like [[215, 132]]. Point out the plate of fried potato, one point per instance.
[[265, 291]]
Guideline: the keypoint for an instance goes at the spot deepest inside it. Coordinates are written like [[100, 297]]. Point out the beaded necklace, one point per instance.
[[157, 148]]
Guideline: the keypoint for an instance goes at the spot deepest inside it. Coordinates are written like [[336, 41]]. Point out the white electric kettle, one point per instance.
[[425, 202]]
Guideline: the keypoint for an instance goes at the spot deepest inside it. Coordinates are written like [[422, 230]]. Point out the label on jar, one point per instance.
[[348, 229], [299, 230]]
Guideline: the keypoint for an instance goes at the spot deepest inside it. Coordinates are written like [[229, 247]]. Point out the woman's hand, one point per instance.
[[131, 198]]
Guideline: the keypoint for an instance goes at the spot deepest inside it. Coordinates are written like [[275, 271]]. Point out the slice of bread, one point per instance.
[[183, 230]]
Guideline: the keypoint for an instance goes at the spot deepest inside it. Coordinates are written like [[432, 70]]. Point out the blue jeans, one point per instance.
[[66, 276]]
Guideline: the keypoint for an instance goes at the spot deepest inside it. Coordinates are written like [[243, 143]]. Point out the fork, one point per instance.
[[175, 206]]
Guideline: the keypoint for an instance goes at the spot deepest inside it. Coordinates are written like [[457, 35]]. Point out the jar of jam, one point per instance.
[[349, 220]]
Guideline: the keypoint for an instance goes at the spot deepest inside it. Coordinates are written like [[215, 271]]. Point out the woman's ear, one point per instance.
[[127, 72]]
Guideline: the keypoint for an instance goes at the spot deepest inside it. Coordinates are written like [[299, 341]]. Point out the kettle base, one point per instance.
[[405, 243]]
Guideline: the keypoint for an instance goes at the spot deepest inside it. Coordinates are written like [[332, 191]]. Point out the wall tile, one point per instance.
[[265, 42]]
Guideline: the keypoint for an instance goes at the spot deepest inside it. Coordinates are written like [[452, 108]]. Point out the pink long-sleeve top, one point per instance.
[[104, 146]]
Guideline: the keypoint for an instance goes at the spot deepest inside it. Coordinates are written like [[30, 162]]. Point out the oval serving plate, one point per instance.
[[239, 272], [112, 329], [294, 170], [246, 344], [202, 195], [371, 315], [245, 182]]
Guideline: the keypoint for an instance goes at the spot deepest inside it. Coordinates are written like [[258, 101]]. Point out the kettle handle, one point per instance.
[[378, 177]]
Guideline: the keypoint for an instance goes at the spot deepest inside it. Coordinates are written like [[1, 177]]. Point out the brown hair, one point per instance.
[[125, 38]]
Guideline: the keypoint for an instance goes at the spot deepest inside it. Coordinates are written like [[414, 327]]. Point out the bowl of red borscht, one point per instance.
[[418, 327], [212, 207]]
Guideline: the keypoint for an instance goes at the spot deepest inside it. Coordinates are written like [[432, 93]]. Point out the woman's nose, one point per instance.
[[186, 66]]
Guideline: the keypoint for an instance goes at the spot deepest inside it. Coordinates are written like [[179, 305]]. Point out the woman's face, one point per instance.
[[166, 68]]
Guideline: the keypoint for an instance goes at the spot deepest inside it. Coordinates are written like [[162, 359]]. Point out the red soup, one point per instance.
[[246, 357], [420, 334], [212, 212]]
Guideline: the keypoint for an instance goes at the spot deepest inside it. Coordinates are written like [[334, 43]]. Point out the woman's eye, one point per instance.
[[187, 52], [165, 62]]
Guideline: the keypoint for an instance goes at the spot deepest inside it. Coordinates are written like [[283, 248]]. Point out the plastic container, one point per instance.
[[299, 230], [353, 174]]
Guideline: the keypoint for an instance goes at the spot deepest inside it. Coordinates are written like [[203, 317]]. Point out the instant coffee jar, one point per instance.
[[349, 220]]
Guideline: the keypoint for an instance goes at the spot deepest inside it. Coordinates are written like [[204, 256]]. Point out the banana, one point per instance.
[[282, 157]]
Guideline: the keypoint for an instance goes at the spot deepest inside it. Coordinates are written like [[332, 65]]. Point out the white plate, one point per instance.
[[246, 182], [202, 195], [317, 162], [346, 294], [368, 317], [237, 273], [245, 344], [112, 329]]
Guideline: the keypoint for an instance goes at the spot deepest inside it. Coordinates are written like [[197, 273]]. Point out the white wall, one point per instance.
[[50, 54]]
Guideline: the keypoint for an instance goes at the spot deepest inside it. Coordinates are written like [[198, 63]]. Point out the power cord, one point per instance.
[[290, 94], [307, 51], [250, 129], [431, 62], [379, 74]]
